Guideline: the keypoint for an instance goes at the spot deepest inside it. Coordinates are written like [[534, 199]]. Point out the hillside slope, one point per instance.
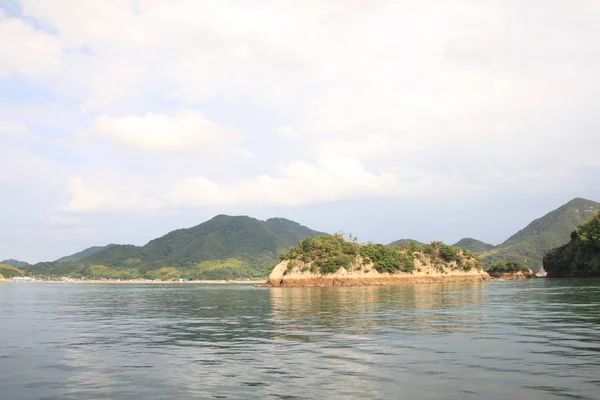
[[531, 243], [15, 263], [8, 271], [474, 245], [82, 254], [224, 247], [579, 257]]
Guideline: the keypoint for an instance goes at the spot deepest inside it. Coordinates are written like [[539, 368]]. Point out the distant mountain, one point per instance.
[[474, 245], [15, 263], [400, 242], [531, 243], [82, 254], [225, 247], [579, 257]]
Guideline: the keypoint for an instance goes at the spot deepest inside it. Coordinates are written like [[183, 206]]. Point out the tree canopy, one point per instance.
[[579, 257]]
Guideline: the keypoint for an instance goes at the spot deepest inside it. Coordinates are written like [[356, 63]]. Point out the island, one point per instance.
[[510, 270], [334, 261]]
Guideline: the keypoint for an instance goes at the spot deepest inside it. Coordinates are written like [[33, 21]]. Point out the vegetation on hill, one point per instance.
[[531, 243], [579, 257], [401, 242], [8, 271], [474, 245], [508, 267], [15, 263], [225, 247], [82, 254], [327, 254]]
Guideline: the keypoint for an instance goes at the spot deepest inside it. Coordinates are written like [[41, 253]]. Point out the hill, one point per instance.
[[225, 247], [82, 254], [401, 242], [333, 261], [531, 243], [579, 257], [15, 263], [474, 245], [8, 271]]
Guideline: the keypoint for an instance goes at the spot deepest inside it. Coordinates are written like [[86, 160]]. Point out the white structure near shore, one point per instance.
[[22, 278]]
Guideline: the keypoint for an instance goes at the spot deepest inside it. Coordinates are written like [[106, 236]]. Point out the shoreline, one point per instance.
[[400, 281], [300, 276], [263, 283], [136, 282], [378, 281]]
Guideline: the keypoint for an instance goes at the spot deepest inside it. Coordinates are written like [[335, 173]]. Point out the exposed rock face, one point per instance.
[[276, 276], [510, 276], [361, 275], [2, 278]]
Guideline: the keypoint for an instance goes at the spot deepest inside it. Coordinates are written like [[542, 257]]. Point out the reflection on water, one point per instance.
[[534, 339], [368, 309]]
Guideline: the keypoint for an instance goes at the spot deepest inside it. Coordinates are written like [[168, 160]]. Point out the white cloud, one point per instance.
[[107, 197], [16, 131], [185, 132], [391, 98], [293, 184], [25, 51], [297, 183], [98, 23], [288, 131], [60, 221]]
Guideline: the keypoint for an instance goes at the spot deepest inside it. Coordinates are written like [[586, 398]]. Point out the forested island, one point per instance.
[[579, 257], [334, 261], [510, 270]]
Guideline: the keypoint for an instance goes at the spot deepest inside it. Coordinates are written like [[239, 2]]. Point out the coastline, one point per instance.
[[282, 277], [382, 281], [134, 282], [512, 276]]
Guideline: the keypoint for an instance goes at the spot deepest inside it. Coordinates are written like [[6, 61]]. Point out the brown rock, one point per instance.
[[363, 275]]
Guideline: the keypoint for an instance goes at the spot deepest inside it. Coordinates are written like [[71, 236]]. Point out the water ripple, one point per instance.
[[535, 339]]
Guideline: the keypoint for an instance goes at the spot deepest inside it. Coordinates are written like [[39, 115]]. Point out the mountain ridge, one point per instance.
[[474, 245], [83, 253], [536, 239], [223, 247], [401, 242], [15, 263]]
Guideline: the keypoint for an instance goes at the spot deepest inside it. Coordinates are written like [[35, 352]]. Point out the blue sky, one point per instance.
[[121, 120]]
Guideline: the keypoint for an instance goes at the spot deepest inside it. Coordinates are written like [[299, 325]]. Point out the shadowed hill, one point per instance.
[[579, 257], [531, 243]]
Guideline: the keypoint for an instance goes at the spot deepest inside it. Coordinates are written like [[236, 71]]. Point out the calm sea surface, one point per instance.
[[537, 339]]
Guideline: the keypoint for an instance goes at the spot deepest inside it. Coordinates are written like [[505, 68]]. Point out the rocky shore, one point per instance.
[[511, 276], [282, 276]]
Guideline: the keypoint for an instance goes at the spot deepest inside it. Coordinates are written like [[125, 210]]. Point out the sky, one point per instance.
[[121, 120]]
